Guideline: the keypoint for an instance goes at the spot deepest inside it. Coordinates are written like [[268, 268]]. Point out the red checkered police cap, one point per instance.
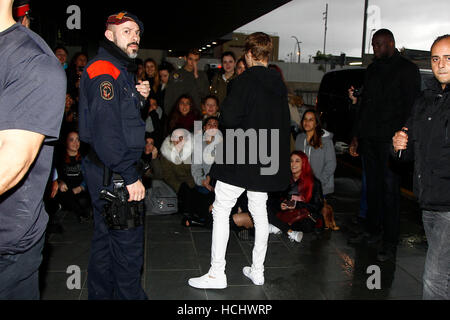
[[122, 17]]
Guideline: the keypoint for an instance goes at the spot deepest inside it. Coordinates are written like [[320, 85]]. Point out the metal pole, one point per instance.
[[366, 5], [371, 32], [326, 20], [295, 47], [297, 44]]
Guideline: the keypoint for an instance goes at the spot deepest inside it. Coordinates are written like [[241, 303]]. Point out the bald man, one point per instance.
[[426, 141]]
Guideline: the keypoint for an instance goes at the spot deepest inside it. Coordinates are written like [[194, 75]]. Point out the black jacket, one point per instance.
[[109, 111], [429, 145], [258, 100], [314, 205], [390, 87]]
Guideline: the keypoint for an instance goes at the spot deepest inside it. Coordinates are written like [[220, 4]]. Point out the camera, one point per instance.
[[357, 92]]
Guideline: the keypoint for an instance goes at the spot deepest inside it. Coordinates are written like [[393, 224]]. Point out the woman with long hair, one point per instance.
[[304, 195], [183, 114], [72, 188], [317, 144], [164, 70], [152, 74]]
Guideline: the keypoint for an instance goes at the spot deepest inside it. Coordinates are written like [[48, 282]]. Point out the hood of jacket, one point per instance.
[[308, 149], [269, 79], [175, 153]]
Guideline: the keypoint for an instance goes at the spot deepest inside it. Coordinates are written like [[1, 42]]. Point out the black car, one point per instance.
[[334, 105]]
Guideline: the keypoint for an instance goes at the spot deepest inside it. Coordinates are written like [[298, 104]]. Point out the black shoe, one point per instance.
[[386, 254], [191, 221]]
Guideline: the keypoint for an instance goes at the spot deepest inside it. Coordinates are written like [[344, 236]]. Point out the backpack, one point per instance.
[[160, 199]]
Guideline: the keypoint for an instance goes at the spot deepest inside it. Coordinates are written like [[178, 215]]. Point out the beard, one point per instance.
[[134, 52], [133, 55]]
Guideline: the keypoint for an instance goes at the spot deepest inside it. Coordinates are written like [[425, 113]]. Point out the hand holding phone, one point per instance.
[[290, 204]]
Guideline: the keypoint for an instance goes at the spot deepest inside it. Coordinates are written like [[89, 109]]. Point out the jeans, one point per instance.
[[19, 274], [226, 197], [436, 276]]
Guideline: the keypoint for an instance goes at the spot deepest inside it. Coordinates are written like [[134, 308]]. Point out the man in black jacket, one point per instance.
[[110, 122], [427, 128], [257, 107], [390, 86]]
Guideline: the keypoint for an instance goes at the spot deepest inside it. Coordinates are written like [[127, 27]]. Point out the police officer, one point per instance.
[[111, 124]]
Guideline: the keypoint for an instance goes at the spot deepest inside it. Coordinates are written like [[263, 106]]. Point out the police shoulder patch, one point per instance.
[[106, 90]]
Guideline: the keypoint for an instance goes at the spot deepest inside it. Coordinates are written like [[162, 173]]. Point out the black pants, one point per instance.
[[185, 199], [19, 274], [195, 204], [78, 203], [117, 256], [383, 190]]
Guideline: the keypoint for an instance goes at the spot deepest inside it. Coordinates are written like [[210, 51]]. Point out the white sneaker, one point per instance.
[[208, 282], [296, 236], [273, 229], [256, 277]]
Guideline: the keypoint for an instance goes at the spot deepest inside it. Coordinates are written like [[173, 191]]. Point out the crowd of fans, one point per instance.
[[179, 98]]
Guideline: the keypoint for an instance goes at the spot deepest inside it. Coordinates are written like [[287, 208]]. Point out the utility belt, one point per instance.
[[119, 214]]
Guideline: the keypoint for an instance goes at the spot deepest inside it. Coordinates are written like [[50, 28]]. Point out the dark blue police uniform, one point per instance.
[[110, 122]]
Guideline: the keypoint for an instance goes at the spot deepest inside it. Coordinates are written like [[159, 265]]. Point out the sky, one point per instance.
[[414, 23]]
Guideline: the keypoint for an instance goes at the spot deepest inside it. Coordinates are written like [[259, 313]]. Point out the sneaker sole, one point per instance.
[[206, 287], [248, 276]]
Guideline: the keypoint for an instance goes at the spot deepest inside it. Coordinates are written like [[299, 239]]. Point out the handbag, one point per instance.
[[292, 216], [161, 199]]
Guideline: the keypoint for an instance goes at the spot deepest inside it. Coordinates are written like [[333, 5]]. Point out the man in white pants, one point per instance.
[[256, 108]]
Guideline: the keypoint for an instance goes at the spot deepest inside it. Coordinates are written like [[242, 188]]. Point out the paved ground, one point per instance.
[[320, 267]]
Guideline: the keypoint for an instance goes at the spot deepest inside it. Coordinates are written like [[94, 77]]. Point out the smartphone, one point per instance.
[[290, 203]]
